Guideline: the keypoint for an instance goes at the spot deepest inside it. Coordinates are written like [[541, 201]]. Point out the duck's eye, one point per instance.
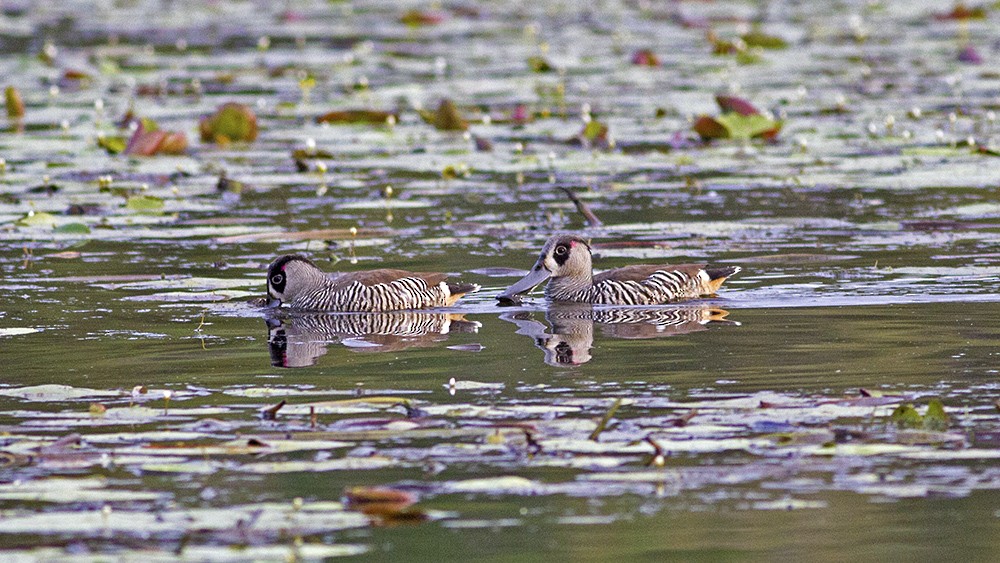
[[277, 279], [561, 250]]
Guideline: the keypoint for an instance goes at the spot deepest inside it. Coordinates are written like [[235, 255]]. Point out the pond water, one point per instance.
[[838, 399]]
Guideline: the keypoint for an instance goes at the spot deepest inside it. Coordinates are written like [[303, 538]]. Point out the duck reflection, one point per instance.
[[571, 337], [298, 340]]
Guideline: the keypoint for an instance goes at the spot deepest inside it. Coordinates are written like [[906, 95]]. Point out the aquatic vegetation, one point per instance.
[[153, 409]]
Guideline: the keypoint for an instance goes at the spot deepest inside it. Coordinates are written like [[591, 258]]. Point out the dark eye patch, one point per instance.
[[561, 254]]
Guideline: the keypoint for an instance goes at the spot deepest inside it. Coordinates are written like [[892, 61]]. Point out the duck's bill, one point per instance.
[[537, 275], [274, 303]]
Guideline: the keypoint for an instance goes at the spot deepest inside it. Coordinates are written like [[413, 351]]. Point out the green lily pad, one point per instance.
[[145, 204]]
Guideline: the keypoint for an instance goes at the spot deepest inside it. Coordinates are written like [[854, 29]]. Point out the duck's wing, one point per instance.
[[641, 272]]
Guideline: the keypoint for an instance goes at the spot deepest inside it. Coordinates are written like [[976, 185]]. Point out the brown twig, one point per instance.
[[582, 207]]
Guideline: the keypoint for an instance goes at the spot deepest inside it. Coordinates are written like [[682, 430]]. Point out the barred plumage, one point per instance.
[[295, 280], [571, 337], [297, 340], [565, 261]]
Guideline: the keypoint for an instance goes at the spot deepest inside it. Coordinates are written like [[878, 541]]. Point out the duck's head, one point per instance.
[[562, 256], [289, 276]]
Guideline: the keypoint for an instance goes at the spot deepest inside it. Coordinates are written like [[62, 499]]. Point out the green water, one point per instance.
[[133, 356]]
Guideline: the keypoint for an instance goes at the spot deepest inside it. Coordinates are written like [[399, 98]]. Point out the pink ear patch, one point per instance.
[[572, 244]]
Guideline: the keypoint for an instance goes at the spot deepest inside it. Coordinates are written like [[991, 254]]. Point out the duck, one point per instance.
[[295, 280], [566, 263]]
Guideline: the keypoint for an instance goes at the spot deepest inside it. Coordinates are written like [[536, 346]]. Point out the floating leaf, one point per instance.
[[709, 128], [749, 126], [144, 204], [353, 116], [231, 123], [73, 229], [935, 418], [596, 134], [54, 392], [645, 57], [446, 118], [416, 18], [762, 40], [962, 12], [149, 140], [454, 171], [363, 498], [15, 105], [735, 104], [539, 64], [17, 331], [114, 145], [37, 219], [970, 55], [906, 416]]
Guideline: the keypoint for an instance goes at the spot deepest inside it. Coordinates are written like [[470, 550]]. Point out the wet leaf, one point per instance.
[[760, 39], [962, 12], [596, 134], [145, 204], [149, 140], [645, 57], [54, 392], [539, 64], [416, 18], [14, 103], [970, 55], [730, 104], [710, 128], [357, 116], [378, 500], [231, 123], [113, 144], [38, 219], [906, 416], [73, 229], [748, 126], [17, 331], [446, 117], [935, 418]]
